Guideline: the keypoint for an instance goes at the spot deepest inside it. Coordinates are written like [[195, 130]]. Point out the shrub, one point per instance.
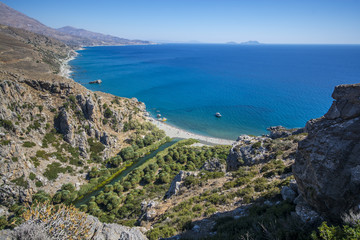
[[127, 153], [28, 144], [52, 170], [21, 182], [38, 184], [42, 154], [95, 146], [7, 124], [256, 145], [5, 142], [108, 113], [210, 211], [32, 176]]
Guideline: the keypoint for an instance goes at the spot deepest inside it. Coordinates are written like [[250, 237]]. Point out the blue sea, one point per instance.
[[252, 86]]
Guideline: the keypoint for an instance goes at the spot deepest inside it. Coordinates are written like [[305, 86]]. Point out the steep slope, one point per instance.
[[53, 130], [327, 166], [13, 18]]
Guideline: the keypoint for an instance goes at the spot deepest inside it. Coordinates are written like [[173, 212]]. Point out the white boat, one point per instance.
[[218, 115], [158, 116]]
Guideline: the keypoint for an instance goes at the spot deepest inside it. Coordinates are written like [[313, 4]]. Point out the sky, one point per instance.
[[207, 21]]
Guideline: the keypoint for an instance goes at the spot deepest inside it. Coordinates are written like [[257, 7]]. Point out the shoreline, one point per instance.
[[171, 131], [175, 132], [65, 68]]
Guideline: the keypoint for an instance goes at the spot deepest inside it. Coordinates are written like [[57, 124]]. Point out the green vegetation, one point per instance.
[[108, 113], [28, 144], [21, 181], [52, 170], [42, 154], [7, 124], [95, 149], [32, 176], [5, 142], [333, 232], [122, 200], [263, 222]]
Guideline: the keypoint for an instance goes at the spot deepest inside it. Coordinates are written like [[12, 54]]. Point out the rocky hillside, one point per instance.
[[53, 130], [75, 37], [327, 167]]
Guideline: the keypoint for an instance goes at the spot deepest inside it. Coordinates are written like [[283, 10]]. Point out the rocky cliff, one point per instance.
[[327, 166], [52, 130]]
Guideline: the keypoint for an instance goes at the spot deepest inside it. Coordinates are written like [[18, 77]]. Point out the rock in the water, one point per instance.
[[327, 166], [213, 165], [96, 82]]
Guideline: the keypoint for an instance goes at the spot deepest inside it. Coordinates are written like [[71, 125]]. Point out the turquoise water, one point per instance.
[[253, 87]]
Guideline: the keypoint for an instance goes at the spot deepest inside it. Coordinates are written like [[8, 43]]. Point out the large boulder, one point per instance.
[[177, 182], [327, 165], [247, 150], [213, 165]]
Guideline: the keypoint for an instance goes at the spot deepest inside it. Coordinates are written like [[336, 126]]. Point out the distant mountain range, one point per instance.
[[245, 43], [69, 35]]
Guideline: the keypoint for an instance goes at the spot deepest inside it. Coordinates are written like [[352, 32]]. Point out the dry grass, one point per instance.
[[59, 222]]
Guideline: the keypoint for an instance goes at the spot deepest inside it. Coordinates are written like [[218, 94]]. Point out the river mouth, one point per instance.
[[125, 172]]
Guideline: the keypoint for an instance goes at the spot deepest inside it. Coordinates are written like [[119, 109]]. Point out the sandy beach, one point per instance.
[[175, 132], [65, 69]]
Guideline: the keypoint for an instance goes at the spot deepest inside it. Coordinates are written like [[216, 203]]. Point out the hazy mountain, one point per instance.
[[98, 37], [68, 35], [251, 43]]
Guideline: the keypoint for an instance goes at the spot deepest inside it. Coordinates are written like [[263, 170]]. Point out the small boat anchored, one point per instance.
[[218, 115], [158, 116]]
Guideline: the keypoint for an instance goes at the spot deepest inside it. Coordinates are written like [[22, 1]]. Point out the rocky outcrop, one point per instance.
[[213, 165], [98, 231], [148, 211], [247, 150], [282, 132], [177, 182], [11, 194], [63, 125], [327, 166], [87, 106]]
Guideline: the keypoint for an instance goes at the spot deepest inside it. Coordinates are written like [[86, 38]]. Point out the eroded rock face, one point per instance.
[[247, 150], [327, 166], [10, 194], [281, 132], [177, 182], [98, 231], [62, 122], [213, 165]]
